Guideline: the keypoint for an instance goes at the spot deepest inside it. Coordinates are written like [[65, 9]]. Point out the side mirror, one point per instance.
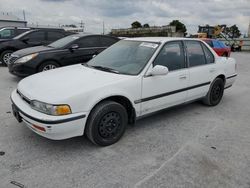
[[74, 47], [159, 70]]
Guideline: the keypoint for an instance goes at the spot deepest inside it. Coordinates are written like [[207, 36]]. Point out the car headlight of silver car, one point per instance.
[[26, 58], [50, 109]]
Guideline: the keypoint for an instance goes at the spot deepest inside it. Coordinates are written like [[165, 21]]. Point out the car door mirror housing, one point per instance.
[[74, 47], [159, 70]]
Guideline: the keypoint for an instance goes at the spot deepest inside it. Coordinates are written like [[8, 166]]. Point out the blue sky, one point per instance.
[[121, 13]]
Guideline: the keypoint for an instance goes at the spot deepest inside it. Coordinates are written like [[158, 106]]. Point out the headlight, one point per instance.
[[26, 58], [50, 109]]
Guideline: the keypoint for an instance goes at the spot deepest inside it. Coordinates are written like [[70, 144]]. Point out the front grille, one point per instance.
[[23, 97], [12, 59]]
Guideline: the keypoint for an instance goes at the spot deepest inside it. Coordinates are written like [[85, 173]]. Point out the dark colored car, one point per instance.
[[29, 39], [219, 47], [73, 49], [11, 32]]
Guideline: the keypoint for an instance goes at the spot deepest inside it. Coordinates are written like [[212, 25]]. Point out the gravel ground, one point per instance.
[[188, 146]]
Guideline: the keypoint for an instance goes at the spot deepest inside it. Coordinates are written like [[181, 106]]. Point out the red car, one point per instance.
[[219, 47]]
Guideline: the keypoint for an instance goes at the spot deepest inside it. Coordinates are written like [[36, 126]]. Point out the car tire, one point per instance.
[[48, 65], [215, 93], [5, 55], [106, 123]]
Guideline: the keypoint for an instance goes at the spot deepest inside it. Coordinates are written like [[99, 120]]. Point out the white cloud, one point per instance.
[[121, 13]]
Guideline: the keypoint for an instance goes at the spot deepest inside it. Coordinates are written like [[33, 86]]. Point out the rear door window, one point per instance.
[[195, 52], [36, 36], [107, 41], [53, 35], [89, 42]]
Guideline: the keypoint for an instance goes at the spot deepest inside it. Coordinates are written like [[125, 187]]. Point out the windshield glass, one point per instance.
[[21, 35], [64, 41], [125, 57]]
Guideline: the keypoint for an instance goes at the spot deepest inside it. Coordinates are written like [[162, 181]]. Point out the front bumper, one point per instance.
[[52, 127], [21, 70]]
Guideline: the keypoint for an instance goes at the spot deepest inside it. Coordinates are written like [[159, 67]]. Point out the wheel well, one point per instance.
[[124, 102], [222, 77], [47, 60], [12, 49]]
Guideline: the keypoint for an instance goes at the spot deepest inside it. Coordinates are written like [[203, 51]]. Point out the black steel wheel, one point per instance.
[[106, 123], [215, 93]]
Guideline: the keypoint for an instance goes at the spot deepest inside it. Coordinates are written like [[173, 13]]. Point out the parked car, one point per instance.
[[11, 32], [131, 79], [73, 49], [219, 47], [29, 39]]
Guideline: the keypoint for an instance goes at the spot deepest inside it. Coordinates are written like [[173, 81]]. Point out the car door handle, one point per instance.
[[182, 77]]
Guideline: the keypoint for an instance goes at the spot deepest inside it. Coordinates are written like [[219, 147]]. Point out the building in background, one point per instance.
[[7, 19], [166, 31]]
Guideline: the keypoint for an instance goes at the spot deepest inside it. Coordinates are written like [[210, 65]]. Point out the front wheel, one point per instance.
[[215, 93], [107, 123], [5, 56], [48, 66]]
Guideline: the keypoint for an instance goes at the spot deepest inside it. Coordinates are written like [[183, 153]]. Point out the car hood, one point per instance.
[[32, 50], [59, 85]]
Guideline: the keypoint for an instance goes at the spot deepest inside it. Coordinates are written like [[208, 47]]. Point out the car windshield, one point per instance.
[[21, 35], [125, 57], [63, 41]]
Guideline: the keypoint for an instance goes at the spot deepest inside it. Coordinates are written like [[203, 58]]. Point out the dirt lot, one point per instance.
[[188, 146]]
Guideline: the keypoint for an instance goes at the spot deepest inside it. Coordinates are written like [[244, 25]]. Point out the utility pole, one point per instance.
[[82, 25], [103, 28], [24, 18]]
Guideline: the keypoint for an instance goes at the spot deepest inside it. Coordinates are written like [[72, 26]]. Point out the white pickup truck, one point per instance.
[[131, 79]]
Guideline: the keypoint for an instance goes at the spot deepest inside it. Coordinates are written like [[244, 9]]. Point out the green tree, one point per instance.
[[235, 32], [136, 24], [180, 27], [146, 25]]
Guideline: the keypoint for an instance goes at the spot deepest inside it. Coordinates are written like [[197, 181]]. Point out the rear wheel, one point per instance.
[[107, 123], [48, 66], [215, 93], [4, 57]]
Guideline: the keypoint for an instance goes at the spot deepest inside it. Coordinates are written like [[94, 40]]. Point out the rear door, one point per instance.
[[202, 69]]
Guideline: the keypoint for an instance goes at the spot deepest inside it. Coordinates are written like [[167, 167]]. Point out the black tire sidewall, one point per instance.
[[218, 81], [41, 67], [96, 116]]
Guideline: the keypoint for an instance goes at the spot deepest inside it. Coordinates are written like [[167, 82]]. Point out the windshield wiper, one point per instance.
[[102, 68]]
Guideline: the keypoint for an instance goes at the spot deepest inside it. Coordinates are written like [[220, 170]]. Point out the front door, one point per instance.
[[159, 92]]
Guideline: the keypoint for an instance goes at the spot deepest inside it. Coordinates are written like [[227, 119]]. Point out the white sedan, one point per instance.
[[131, 79]]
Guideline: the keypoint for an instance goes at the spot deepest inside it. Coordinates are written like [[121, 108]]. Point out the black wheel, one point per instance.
[[5, 55], [106, 123], [215, 93], [49, 65]]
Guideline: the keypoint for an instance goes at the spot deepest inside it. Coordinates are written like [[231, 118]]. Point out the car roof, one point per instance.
[[159, 39]]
